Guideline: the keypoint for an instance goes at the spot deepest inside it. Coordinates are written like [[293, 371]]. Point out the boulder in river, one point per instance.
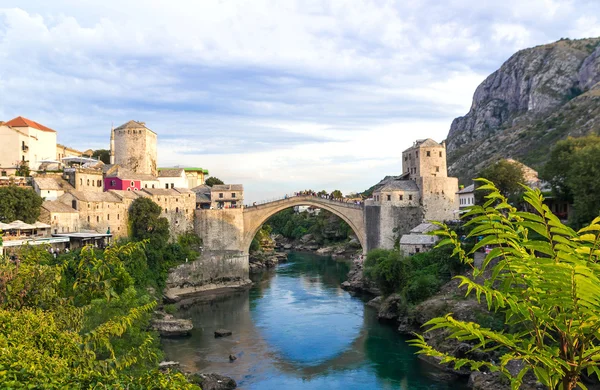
[[213, 381], [171, 298], [168, 365], [172, 327], [222, 333]]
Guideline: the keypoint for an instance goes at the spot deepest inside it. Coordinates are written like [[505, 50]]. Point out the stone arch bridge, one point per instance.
[[351, 213], [227, 234]]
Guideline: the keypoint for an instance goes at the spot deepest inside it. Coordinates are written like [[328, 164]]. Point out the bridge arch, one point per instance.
[[256, 216]]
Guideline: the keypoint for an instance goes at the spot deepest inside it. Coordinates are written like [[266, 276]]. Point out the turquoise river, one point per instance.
[[297, 329]]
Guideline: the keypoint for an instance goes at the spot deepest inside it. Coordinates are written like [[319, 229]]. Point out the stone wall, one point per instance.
[[396, 221], [439, 199], [84, 179], [214, 269], [101, 214], [372, 217], [220, 229], [60, 222]]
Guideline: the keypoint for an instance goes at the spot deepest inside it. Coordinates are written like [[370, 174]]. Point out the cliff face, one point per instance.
[[537, 97]]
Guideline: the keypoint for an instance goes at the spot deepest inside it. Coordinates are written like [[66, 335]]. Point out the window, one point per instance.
[[3, 173], [108, 217], [233, 194], [166, 186], [99, 183], [89, 205], [409, 197], [88, 219], [98, 218], [417, 250], [172, 185], [166, 211], [417, 154], [145, 185], [88, 182], [440, 154], [152, 185], [80, 182], [113, 183], [405, 158], [132, 183], [118, 216], [437, 169], [428, 153], [389, 197], [401, 197], [176, 209], [220, 195]]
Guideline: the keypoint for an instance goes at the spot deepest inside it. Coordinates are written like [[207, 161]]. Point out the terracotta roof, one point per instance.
[[201, 189], [116, 170], [161, 191], [395, 185], [88, 196], [52, 183], [170, 172], [227, 187], [24, 122], [55, 206]]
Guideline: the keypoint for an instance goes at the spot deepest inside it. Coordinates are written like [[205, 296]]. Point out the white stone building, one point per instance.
[[466, 196], [51, 187], [172, 178], [24, 140], [418, 240]]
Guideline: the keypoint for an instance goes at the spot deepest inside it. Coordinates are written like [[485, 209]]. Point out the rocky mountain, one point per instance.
[[538, 97]]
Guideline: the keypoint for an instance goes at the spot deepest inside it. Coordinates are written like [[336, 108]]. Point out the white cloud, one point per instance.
[[276, 94]]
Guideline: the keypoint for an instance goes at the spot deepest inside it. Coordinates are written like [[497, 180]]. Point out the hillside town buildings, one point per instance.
[[88, 200]]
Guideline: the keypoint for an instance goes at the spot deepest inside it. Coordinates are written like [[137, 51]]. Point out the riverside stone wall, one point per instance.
[[213, 270]]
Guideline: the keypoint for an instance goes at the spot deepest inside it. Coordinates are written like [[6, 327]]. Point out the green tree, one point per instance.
[[546, 284], [508, 177], [211, 181], [146, 223], [19, 203], [572, 171], [102, 155], [23, 169], [337, 194]]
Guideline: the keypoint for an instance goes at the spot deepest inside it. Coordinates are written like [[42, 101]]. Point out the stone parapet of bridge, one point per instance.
[[351, 213]]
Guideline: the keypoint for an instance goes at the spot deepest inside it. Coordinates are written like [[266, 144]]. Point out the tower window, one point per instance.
[[437, 169], [401, 197], [389, 197], [417, 154], [428, 153], [409, 197], [440, 154]]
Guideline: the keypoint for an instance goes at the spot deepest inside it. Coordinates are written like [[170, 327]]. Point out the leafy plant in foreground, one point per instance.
[[548, 287]]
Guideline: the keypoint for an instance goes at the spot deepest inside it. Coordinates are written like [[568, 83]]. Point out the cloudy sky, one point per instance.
[[278, 95]]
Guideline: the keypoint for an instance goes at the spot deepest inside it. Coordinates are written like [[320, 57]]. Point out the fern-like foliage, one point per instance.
[[544, 277]]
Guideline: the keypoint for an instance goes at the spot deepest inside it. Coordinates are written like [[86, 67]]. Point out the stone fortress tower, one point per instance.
[[133, 145], [425, 164], [423, 192]]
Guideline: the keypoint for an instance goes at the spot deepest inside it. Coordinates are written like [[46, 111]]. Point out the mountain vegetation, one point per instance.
[[211, 181], [538, 97]]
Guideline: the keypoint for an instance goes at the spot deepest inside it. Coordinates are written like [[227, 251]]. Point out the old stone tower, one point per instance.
[[133, 146], [423, 192], [425, 164]]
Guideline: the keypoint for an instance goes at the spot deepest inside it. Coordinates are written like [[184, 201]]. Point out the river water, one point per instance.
[[297, 329]]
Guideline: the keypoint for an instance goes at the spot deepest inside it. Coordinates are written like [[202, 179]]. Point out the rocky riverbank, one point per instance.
[[308, 243], [408, 320], [260, 261]]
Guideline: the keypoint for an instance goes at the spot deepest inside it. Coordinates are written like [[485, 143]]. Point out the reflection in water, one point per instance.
[[296, 329]]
